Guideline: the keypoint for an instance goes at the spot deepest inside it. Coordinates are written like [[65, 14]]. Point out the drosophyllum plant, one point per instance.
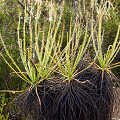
[[105, 59], [37, 48], [74, 51], [70, 92], [104, 63]]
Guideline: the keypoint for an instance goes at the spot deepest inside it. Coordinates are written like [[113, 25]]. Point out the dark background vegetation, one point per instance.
[[9, 10]]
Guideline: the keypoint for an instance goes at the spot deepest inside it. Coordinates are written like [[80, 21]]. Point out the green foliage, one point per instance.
[[8, 25], [110, 26], [3, 104]]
